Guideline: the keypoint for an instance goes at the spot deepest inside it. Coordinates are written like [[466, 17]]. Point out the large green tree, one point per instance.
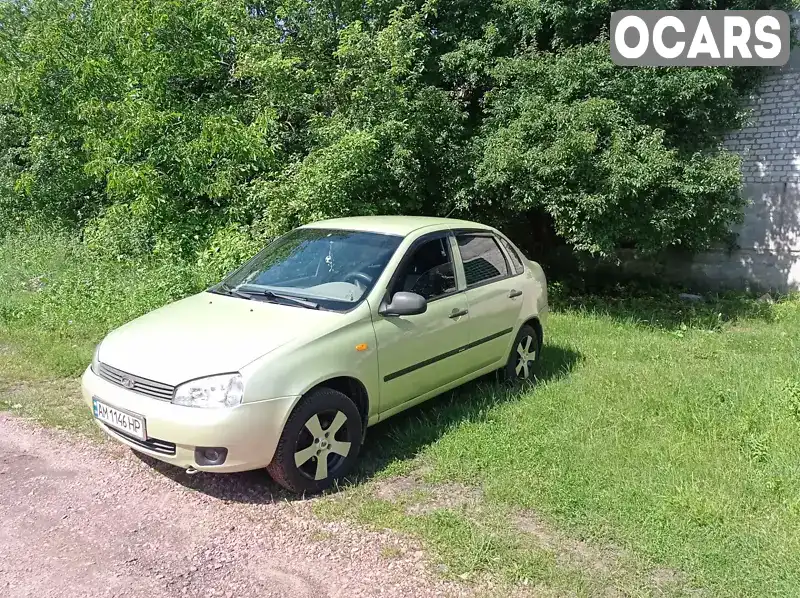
[[196, 125]]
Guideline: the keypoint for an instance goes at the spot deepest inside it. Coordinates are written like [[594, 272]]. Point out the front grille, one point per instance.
[[143, 386], [151, 444]]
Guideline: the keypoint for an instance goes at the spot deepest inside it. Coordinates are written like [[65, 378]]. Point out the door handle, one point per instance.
[[457, 313], [514, 294]]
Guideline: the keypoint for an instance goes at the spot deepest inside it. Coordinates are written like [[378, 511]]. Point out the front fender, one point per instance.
[[294, 370]]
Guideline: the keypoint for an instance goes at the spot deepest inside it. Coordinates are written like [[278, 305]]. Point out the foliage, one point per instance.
[[153, 125], [566, 134]]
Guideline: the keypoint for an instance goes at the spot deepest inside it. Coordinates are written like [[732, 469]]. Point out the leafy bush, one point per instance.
[[155, 124], [566, 135]]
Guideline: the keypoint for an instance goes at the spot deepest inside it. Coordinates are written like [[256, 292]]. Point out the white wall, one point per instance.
[[769, 239]]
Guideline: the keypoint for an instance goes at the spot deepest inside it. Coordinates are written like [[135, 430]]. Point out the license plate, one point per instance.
[[129, 423]]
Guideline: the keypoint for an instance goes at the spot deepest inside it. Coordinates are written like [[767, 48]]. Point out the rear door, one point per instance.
[[494, 295]]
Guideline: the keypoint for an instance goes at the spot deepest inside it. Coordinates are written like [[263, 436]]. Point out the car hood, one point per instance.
[[206, 334]]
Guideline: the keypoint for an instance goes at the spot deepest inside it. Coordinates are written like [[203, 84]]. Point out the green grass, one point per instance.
[[677, 442], [659, 452], [58, 301]]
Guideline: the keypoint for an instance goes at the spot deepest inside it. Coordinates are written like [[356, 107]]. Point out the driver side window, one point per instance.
[[429, 271]]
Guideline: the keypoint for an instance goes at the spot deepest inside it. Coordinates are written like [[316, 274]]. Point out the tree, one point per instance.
[[185, 126]]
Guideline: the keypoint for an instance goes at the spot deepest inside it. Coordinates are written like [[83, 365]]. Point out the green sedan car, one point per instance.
[[332, 328]]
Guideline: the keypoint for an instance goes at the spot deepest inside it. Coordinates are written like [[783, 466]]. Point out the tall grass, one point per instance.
[[58, 299]]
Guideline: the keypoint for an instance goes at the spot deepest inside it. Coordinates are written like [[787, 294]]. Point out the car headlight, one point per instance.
[[95, 367], [214, 392]]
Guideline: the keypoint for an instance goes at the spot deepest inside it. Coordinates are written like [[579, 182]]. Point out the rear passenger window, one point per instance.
[[516, 262], [482, 258]]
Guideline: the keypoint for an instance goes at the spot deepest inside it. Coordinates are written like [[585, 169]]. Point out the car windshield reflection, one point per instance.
[[334, 269]]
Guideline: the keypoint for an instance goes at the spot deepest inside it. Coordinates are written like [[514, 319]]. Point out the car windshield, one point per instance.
[[331, 269]]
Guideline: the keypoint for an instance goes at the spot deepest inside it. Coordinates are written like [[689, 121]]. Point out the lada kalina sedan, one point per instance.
[[332, 328]]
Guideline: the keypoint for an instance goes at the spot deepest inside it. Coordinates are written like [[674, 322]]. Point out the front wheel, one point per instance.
[[524, 358], [319, 444]]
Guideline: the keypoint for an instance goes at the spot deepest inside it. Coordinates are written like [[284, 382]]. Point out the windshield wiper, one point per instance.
[[232, 292], [271, 296]]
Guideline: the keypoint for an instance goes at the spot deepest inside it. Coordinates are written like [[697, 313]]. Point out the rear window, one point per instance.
[[483, 260]]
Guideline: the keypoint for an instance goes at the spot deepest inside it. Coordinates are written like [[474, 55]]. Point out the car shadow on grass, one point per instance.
[[405, 435], [400, 438]]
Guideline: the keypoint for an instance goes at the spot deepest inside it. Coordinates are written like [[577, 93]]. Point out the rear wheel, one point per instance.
[[319, 444], [523, 361]]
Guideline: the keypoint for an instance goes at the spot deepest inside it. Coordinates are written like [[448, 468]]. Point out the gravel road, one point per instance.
[[85, 520]]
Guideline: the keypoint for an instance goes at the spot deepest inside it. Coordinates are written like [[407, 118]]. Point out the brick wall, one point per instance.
[[768, 253]]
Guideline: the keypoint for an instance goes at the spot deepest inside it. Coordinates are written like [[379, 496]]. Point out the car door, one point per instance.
[[494, 290], [418, 354]]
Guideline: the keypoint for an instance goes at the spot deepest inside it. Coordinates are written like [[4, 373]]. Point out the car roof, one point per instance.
[[394, 225]]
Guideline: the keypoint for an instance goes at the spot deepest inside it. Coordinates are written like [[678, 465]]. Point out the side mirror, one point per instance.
[[404, 304]]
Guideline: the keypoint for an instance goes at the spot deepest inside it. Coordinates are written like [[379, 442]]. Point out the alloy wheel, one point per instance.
[[526, 356], [322, 447]]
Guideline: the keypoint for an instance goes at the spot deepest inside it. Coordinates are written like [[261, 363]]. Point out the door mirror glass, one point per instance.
[[404, 304]]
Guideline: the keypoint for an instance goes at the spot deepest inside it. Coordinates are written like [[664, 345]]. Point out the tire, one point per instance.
[[519, 370], [298, 463]]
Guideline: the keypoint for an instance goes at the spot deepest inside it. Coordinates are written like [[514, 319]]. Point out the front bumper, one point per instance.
[[249, 431]]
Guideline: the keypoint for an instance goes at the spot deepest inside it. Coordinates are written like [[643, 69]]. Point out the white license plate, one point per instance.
[[129, 423]]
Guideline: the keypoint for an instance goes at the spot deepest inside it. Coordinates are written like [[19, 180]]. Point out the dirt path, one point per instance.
[[88, 521]]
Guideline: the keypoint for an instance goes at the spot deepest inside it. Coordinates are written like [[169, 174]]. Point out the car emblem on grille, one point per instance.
[[127, 382]]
